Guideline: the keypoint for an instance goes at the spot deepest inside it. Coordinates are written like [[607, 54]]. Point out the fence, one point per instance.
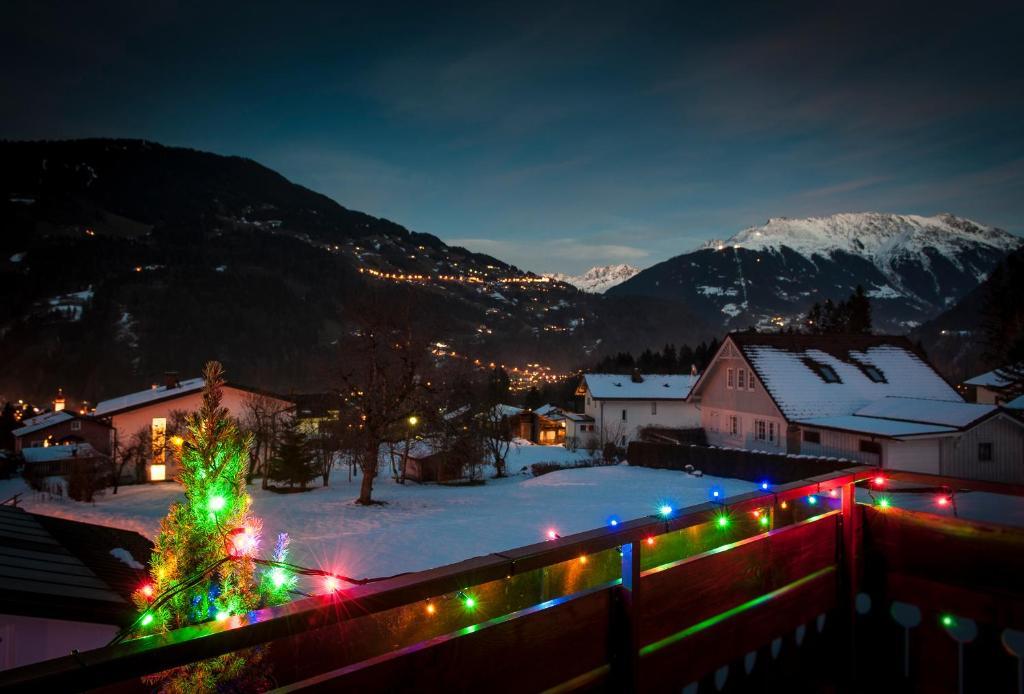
[[731, 462], [767, 587]]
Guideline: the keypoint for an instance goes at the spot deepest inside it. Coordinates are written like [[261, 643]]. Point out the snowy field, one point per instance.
[[422, 526]]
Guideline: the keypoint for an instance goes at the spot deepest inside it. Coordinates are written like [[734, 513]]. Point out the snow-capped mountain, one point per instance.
[[913, 267], [598, 279]]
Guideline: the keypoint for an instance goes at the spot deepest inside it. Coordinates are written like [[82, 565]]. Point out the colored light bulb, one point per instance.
[[883, 502], [583, 560], [942, 501], [217, 503], [331, 583], [764, 485], [948, 621], [222, 615], [430, 608], [723, 521], [879, 481], [552, 535], [650, 541], [147, 620], [784, 505], [763, 520], [613, 522], [665, 510], [277, 577], [148, 590], [812, 500]]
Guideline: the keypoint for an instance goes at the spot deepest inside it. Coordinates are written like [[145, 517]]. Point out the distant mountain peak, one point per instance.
[[598, 279]]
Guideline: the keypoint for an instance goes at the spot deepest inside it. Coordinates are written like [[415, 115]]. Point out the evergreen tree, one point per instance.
[[293, 460], [1003, 323], [858, 312], [202, 566]]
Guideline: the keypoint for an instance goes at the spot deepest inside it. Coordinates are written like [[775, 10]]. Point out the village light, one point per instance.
[[413, 420]]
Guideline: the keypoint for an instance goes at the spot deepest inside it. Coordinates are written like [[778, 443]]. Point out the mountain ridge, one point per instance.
[[599, 278]]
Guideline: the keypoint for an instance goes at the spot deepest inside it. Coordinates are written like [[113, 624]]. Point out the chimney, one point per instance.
[[171, 379], [693, 369], [636, 377]]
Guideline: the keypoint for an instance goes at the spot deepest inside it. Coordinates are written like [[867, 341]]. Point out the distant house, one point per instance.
[[548, 425], [63, 428], [66, 585], [989, 388], [579, 430], [152, 410], [621, 406], [869, 398], [314, 409]]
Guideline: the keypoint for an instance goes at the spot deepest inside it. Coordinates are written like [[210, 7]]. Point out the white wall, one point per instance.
[[716, 425], [32, 639], [960, 455], [607, 414], [915, 455]]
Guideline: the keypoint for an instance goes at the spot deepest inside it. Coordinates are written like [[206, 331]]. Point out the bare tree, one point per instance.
[[134, 451], [262, 417], [382, 360], [497, 436]]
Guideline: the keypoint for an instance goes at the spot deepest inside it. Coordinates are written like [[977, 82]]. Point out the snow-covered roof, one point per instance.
[[876, 426], [791, 369], [652, 387], [503, 410], [42, 454], [547, 409], [943, 412], [577, 417], [41, 421], [1016, 404], [990, 379], [142, 397]]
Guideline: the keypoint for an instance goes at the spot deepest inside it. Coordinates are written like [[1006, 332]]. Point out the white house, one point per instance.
[[990, 387], [869, 398], [153, 410], [620, 406]]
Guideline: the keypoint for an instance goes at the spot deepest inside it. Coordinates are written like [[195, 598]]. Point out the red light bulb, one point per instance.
[[879, 481], [148, 590], [332, 584]]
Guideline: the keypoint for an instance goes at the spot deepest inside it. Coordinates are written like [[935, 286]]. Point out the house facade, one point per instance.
[[872, 399], [63, 428], [989, 388], [155, 411], [621, 406]]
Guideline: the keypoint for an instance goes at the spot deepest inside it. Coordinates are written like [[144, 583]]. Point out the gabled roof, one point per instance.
[[51, 567], [148, 396], [941, 412], [577, 417], [43, 454], [989, 379], [652, 387], [49, 419], [794, 370], [152, 396], [42, 421], [545, 410], [1016, 404]]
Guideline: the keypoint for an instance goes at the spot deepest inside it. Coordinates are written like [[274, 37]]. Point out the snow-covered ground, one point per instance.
[[422, 526]]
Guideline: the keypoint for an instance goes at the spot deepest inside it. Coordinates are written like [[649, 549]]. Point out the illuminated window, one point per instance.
[[157, 473], [158, 439]]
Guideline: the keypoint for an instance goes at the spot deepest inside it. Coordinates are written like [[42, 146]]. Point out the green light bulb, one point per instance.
[[217, 503], [723, 521], [147, 620], [763, 520]]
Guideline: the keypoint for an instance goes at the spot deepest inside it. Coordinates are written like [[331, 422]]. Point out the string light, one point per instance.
[[332, 584], [948, 621], [883, 502], [812, 500], [942, 500], [833, 493], [431, 610], [879, 481], [784, 505], [613, 522], [217, 503], [650, 540], [723, 521], [583, 560], [552, 535], [764, 520], [147, 590], [764, 485], [468, 600], [147, 620], [222, 615], [665, 510]]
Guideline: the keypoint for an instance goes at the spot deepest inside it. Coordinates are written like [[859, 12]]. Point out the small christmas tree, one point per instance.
[[202, 567], [293, 460]]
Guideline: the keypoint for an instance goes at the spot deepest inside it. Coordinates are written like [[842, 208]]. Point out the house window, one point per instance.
[[870, 447], [741, 379], [734, 425], [751, 382], [728, 378], [654, 408], [873, 373], [76, 425], [158, 439], [760, 430], [827, 373], [623, 415], [985, 452], [771, 431], [589, 403], [812, 436]]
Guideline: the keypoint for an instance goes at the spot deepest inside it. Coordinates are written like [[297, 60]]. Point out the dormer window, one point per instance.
[[827, 373], [824, 371], [873, 373]]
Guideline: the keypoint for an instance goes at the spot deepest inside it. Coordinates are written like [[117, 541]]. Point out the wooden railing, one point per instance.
[[650, 604]]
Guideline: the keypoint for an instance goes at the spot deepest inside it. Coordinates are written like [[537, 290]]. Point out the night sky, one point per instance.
[[555, 136]]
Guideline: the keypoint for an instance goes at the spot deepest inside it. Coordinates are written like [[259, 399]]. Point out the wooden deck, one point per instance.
[[804, 601]]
